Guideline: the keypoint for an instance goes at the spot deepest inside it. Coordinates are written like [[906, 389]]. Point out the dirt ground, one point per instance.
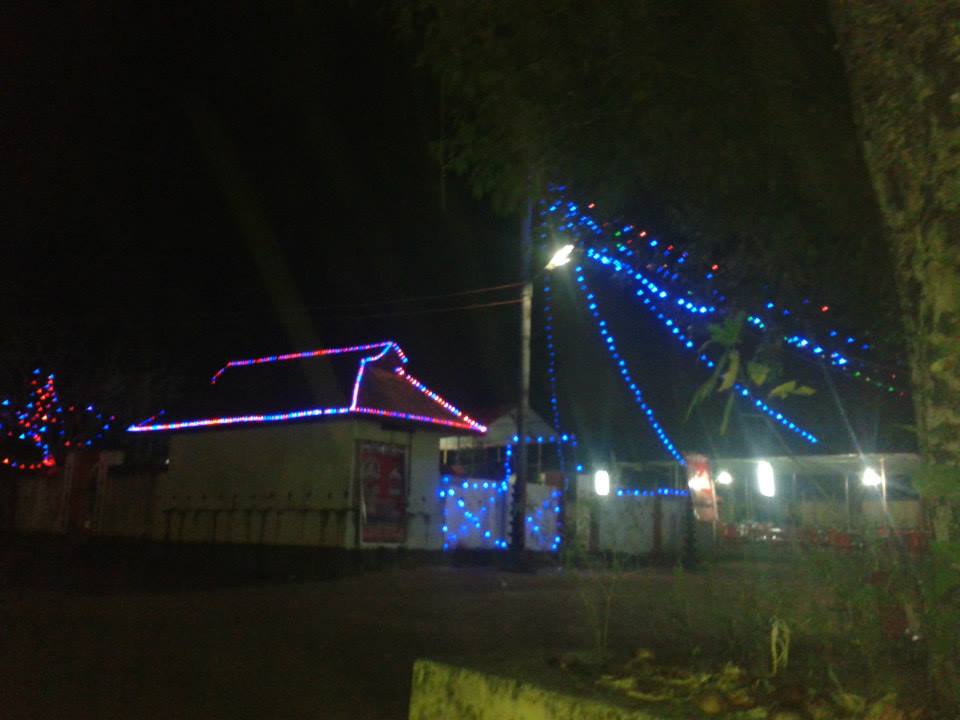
[[335, 649]]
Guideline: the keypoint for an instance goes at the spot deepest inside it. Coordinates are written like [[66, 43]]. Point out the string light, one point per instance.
[[449, 407], [475, 512], [472, 514], [463, 421], [610, 344], [695, 308], [552, 367], [43, 426], [382, 346], [574, 220], [663, 492], [689, 345], [775, 414]]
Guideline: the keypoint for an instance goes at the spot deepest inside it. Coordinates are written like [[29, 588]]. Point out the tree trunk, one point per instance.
[[903, 66]]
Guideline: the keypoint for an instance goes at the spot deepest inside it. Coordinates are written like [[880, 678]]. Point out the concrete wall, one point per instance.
[[39, 504], [287, 485], [445, 692], [628, 525], [125, 505]]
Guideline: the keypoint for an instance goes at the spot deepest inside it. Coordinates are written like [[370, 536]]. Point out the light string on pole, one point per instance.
[[552, 367]]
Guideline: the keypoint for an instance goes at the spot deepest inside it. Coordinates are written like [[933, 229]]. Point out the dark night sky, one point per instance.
[[130, 129], [121, 230]]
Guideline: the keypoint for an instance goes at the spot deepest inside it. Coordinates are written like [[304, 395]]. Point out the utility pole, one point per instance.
[[518, 524]]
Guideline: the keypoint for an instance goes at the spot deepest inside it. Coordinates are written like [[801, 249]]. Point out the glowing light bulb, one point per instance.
[[601, 482], [560, 257], [724, 478], [766, 480], [871, 478]]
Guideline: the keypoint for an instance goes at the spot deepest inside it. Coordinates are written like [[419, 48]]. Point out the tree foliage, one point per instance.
[[725, 124]]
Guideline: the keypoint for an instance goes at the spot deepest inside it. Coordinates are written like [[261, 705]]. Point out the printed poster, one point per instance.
[[382, 476]]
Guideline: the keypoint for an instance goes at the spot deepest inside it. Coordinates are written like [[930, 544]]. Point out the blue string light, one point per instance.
[[658, 309], [470, 509], [775, 414], [695, 308], [474, 514], [689, 345], [837, 357], [610, 344], [552, 368], [663, 492]]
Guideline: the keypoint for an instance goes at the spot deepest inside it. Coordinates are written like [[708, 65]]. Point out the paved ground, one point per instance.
[[337, 649]]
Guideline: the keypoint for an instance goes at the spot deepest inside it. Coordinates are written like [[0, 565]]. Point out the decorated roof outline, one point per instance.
[[386, 358]]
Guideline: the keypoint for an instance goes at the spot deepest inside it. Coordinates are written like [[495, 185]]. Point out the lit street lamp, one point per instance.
[[766, 480], [601, 482], [560, 257]]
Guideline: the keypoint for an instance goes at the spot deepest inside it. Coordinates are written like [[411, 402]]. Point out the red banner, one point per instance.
[[700, 484], [382, 476]]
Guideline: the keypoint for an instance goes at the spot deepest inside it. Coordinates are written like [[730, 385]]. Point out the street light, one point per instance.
[[724, 478], [560, 257], [601, 482], [871, 478], [766, 480]]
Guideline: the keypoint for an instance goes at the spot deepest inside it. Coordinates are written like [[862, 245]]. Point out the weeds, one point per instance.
[[779, 645]]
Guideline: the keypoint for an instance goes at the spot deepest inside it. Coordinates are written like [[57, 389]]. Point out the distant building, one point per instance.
[[551, 454]]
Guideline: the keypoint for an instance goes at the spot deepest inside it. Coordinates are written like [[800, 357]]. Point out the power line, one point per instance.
[[96, 316], [406, 313], [396, 301]]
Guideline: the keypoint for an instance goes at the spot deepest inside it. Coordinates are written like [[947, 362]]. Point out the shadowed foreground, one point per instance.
[[323, 650]]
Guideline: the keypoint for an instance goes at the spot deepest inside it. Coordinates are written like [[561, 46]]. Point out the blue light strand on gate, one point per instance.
[[479, 521], [474, 513], [663, 492], [548, 515], [610, 344]]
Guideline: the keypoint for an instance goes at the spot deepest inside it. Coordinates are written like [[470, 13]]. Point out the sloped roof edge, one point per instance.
[[387, 352]]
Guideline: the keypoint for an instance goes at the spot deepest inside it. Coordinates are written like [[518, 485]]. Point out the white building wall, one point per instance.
[[287, 485]]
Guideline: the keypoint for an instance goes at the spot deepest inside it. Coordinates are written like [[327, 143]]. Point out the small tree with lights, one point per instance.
[[37, 433]]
